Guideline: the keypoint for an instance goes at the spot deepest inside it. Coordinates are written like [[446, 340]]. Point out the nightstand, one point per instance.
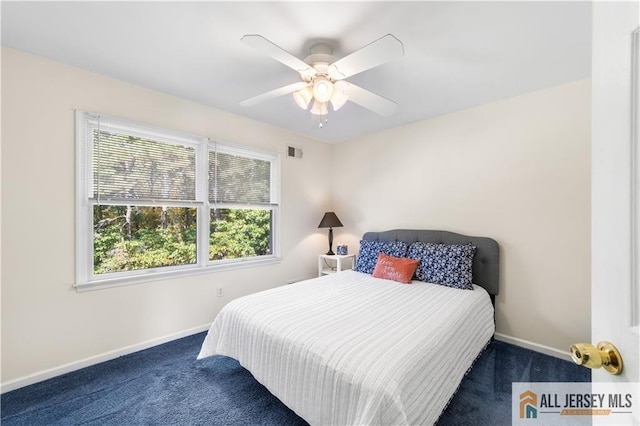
[[332, 263]]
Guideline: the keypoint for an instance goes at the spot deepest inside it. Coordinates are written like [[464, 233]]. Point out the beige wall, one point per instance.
[[45, 323], [517, 170]]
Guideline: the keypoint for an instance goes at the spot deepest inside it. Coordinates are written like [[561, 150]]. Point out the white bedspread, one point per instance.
[[350, 349]]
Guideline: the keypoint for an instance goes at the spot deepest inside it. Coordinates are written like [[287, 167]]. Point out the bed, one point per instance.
[[350, 348]]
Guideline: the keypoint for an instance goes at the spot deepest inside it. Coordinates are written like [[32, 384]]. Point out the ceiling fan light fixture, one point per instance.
[[319, 108], [338, 100], [322, 89], [339, 97], [303, 97]]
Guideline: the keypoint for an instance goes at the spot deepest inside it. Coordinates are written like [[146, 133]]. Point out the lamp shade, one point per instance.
[[319, 108], [339, 97], [330, 220], [338, 100], [303, 97], [322, 89]]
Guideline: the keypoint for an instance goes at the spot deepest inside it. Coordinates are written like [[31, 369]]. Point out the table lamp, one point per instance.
[[330, 220]]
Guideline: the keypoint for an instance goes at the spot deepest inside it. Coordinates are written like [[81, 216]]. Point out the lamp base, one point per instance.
[[330, 252]]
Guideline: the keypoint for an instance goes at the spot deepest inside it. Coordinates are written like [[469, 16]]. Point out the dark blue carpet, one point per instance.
[[484, 396], [166, 385]]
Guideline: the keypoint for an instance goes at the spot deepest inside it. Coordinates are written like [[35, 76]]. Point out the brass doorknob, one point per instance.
[[605, 355]]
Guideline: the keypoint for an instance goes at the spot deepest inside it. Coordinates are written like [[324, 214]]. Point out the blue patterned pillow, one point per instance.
[[445, 264], [369, 251]]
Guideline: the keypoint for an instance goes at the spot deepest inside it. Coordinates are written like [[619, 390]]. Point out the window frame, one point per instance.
[[86, 279]]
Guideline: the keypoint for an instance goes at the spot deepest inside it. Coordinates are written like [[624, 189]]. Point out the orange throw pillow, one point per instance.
[[399, 269]]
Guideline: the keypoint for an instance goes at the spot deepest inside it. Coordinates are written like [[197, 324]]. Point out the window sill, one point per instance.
[[105, 283]]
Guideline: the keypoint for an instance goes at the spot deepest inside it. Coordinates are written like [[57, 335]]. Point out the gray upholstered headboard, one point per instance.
[[485, 262]]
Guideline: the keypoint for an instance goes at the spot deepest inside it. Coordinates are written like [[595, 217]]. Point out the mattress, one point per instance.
[[348, 348]]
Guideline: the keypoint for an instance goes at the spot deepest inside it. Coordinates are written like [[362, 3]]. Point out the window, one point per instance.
[[153, 202]]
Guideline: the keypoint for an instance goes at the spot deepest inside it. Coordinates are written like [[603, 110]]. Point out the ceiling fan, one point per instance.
[[323, 77]]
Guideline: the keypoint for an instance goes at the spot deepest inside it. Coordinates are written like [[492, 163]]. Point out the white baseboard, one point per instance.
[[107, 356], [547, 350]]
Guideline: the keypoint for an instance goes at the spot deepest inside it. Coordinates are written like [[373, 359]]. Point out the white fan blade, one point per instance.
[[372, 55], [276, 52], [285, 90], [370, 101]]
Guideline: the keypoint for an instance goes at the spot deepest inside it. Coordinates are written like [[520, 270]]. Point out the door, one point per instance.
[[615, 291]]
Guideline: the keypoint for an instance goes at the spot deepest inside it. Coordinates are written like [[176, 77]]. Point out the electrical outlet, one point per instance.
[[220, 293]]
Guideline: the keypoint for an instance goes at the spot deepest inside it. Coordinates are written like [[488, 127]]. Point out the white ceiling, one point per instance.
[[457, 54]]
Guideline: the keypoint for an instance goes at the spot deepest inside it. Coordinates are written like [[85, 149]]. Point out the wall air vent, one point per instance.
[[294, 152]]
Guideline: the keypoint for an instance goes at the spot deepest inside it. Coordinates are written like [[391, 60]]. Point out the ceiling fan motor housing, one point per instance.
[[320, 53]]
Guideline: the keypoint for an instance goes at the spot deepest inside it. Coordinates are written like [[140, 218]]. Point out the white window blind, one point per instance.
[[239, 179], [130, 164]]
